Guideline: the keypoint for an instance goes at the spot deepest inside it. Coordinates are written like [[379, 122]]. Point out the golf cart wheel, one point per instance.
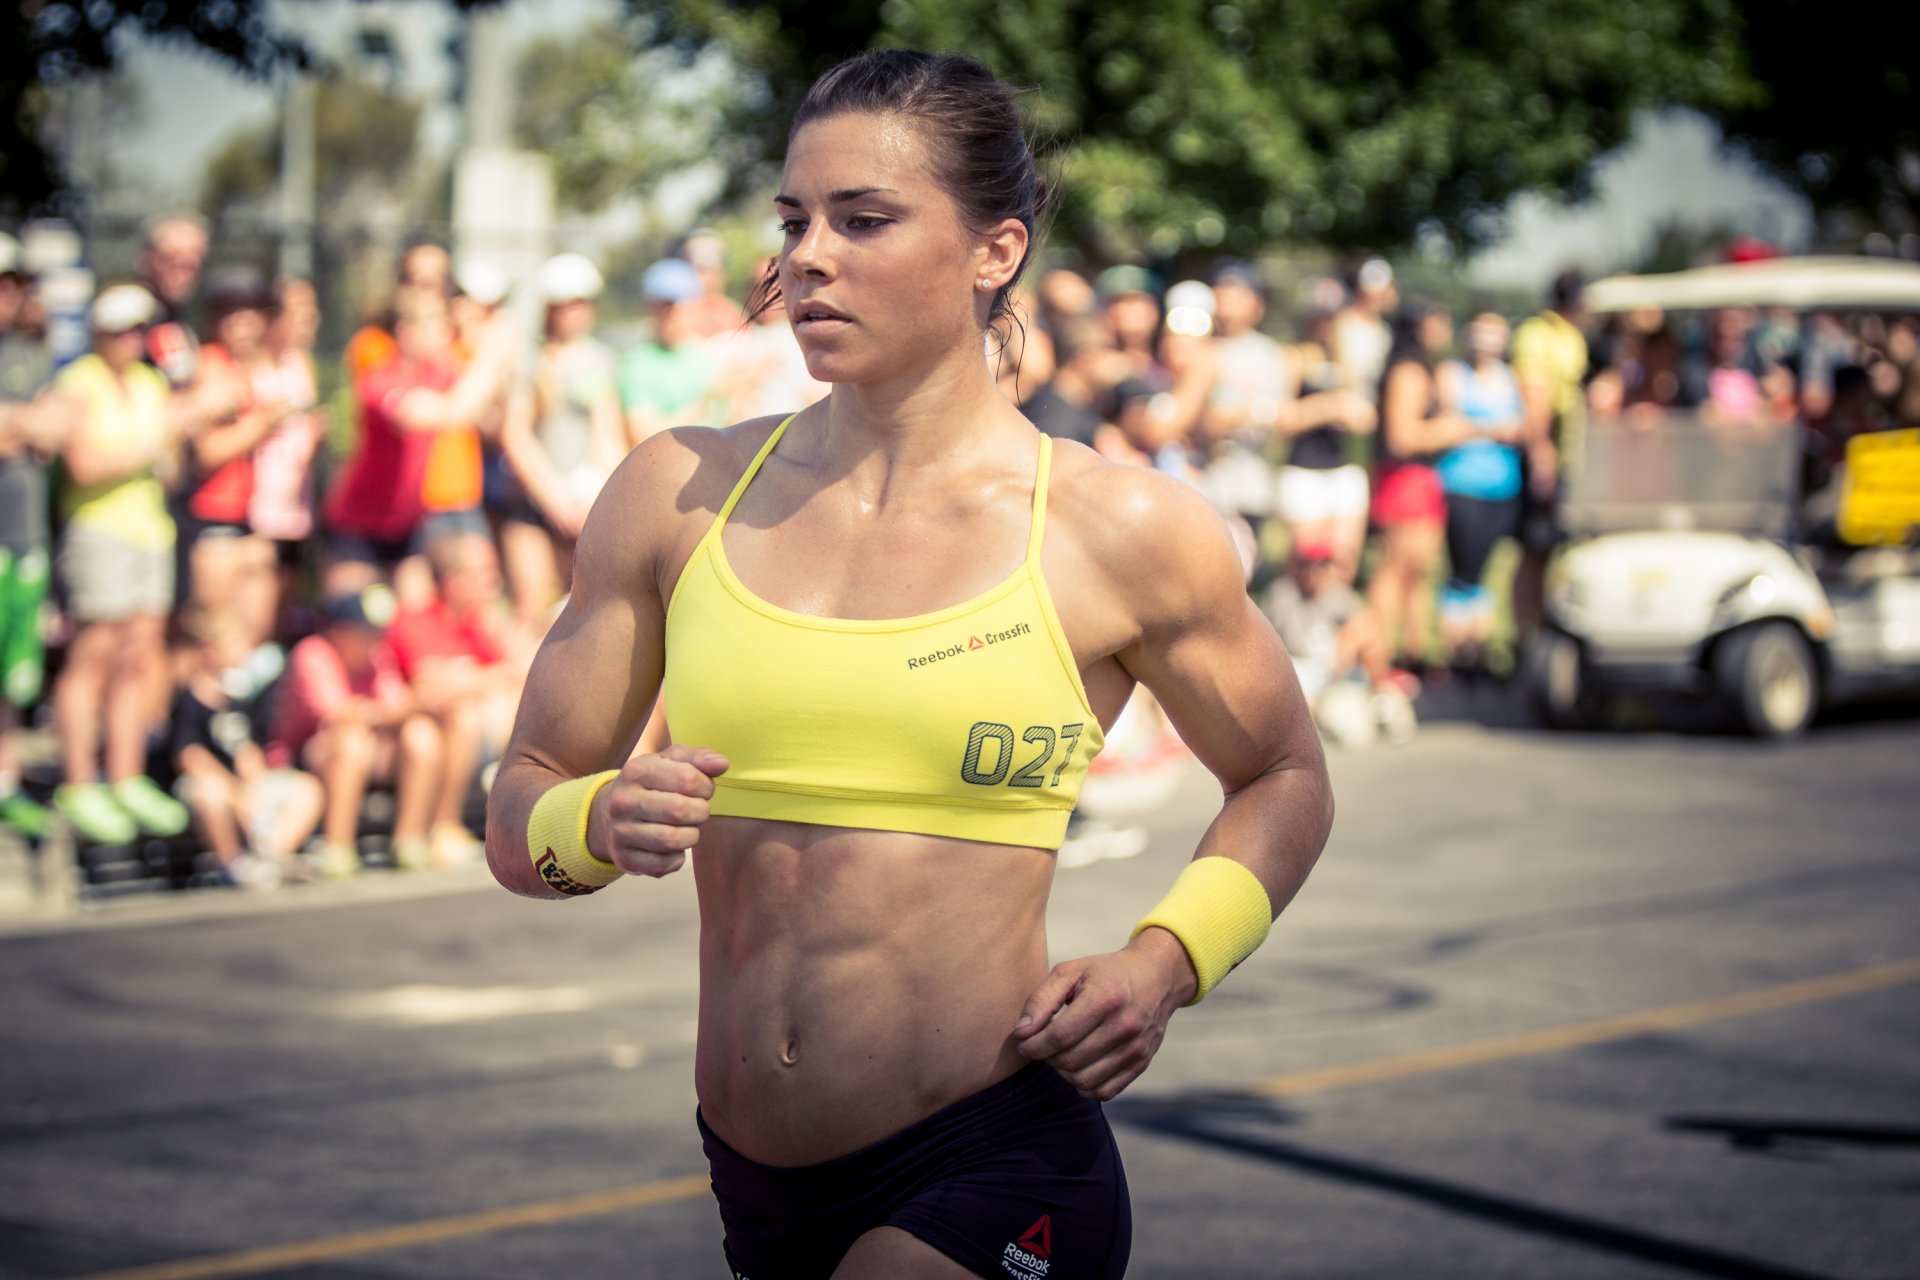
[[1767, 678], [1556, 681]]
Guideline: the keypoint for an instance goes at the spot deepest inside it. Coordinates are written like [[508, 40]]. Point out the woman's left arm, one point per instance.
[[1225, 681]]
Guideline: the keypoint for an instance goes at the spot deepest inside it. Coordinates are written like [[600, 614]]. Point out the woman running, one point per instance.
[[892, 629]]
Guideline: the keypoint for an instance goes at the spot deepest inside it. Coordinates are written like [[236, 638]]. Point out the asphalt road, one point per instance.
[[1606, 1006]]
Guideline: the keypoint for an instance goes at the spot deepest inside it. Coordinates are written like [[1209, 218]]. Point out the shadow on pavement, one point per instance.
[[1232, 1122]]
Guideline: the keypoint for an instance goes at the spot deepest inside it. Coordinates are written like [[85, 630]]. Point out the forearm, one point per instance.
[[217, 446], [1275, 826], [517, 787], [89, 463]]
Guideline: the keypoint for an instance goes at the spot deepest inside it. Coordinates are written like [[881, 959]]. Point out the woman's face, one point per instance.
[[242, 330], [878, 272]]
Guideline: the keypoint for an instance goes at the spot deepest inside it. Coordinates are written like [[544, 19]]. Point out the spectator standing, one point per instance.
[[1361, 337], [117, 563], [376, 515], [563, 437], [1481, 478], [31, 431], [229, 566], [346, 714], [1409, 505], [281, 509], [170, 264], [1129, 302], [710, 313], [665, 379], [254, 817], [763, 370], [1550, 360], [1320, 494]]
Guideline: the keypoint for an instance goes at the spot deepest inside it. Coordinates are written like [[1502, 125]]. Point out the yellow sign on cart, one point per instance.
[[1880, 505]]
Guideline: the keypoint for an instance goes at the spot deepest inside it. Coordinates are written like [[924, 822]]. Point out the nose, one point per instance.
[[810, 257]]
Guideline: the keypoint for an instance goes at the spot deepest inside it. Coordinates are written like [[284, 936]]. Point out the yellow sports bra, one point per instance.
[[968, 722]]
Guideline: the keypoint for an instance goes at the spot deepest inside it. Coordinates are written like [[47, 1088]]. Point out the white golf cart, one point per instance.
[[1688, 572]]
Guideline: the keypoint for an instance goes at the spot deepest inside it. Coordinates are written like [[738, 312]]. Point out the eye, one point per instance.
[[865, 222], [793, 226]]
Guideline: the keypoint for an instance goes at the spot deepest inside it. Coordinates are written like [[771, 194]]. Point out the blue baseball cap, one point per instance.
[[670, 280]]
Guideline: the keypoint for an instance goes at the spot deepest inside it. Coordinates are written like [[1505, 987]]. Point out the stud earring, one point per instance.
[[985, 283]]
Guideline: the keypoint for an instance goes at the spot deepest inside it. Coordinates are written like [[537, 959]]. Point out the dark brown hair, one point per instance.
[[971, 123]]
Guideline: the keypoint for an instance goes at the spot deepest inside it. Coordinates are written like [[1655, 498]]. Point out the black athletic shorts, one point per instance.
[[1022, 1179]]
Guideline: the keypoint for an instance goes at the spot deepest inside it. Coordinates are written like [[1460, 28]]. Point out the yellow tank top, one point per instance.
[[968, 722]]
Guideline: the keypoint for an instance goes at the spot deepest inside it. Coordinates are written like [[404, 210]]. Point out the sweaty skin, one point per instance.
[[852, 982]]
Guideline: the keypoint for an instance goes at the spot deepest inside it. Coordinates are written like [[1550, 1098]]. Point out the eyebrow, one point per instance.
[[841, 196]]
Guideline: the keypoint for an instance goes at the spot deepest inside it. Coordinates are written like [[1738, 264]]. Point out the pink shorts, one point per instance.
[[1408, 493]]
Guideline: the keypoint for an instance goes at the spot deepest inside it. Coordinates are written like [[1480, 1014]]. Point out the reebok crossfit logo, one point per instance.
[[1028, 1257], [972, 644]]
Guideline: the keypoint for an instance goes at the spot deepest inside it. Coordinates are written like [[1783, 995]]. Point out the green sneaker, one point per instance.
[[24, 814], [91, 808], [158, 813], [337, 861], [412, 854]]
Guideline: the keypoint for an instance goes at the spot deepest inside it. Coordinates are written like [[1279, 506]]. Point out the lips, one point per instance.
[[818, 316]]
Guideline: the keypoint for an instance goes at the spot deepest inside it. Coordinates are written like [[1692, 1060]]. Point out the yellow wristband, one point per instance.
[[557, 837], [1220, 912]]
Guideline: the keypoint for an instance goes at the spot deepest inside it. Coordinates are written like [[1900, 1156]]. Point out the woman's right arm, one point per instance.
[[1403, 415], [591, 686]]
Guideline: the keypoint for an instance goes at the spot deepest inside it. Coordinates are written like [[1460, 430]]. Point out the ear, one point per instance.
[[1000, 253]]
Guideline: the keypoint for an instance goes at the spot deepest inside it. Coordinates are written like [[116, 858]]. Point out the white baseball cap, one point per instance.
[[569, 277], [1190, 308], [485, 283], [121, 307]]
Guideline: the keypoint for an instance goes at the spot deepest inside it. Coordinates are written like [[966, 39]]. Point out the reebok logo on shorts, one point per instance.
[[1027, 1257]]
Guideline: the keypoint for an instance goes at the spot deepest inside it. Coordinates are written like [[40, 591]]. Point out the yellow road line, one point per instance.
[[1581, 1034], [252, 1262]]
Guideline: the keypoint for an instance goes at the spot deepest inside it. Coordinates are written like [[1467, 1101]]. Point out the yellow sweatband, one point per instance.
[[1220, 912], [557, 837]]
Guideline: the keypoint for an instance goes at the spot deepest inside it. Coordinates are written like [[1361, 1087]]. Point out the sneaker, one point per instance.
[[455, 846], [337, 861], [412, 854], [1395, 715], [24, 814], [92, 810], [156, 812], [252, 872]]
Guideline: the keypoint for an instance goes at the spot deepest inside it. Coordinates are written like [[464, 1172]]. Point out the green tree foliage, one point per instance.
[[1838, 115], [44, 45], [1202, 125], [52, 42], [363, 145], [614, 118]]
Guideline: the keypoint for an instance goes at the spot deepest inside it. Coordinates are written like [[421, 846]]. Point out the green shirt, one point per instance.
[[667, 384]]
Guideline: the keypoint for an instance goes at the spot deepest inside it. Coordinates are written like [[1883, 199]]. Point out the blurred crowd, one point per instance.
[[1396, 479], [239, 631]]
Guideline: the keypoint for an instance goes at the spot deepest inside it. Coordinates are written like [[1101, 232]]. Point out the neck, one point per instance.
[[892, 430]]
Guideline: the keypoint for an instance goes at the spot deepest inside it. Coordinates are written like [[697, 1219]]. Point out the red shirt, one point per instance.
[[222, 497], [422, 635], [377, 493], [318, 686]]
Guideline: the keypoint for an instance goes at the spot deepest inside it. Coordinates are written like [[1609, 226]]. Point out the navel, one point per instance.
[[790, 1055]]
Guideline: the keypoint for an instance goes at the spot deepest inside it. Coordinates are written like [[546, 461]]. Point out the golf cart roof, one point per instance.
[[1803, 284]]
